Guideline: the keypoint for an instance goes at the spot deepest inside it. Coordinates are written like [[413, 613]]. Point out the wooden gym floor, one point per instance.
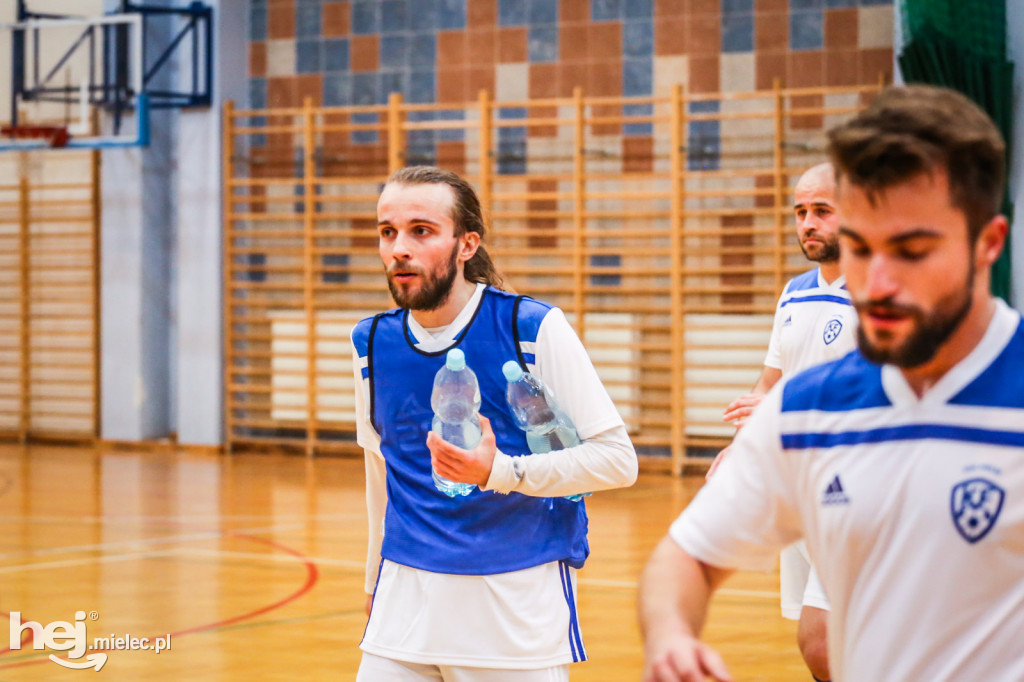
[[253, 564]]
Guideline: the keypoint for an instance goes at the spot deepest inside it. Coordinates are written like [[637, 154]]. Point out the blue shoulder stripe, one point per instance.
[[963, 434], [849, 383], [1002, 382], [816, 297], [803, 282]]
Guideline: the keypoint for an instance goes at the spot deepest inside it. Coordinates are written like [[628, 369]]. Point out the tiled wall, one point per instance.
[[357, 51]]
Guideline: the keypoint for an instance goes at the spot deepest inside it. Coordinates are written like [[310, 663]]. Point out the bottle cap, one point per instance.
[[512, 370], [455, 360]]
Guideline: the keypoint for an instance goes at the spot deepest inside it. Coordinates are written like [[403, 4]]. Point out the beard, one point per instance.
[[435, 288], [828, 253], [930, 330]]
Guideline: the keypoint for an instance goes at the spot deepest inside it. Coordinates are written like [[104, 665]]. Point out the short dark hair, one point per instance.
[[466, 215], [915, 129]]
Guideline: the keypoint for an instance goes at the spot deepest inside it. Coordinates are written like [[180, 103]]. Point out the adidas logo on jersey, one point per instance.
[[789, 321], [834, 493]]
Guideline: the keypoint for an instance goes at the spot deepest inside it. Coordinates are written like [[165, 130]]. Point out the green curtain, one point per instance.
[[961, 44]]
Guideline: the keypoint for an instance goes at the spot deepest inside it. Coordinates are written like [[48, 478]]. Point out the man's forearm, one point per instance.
[[674, 594]]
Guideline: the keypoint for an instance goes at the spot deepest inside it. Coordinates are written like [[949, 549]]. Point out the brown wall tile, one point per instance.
[[512, 44], [670, 36], [808, 121], [668, 8], [771, 31], [604, 78], [364, 53], [281, 19], [637, 154], [452, 155], [768, 67], [451, 85], [337, 19], [572, 41], [841, 28], [543, 81], [705, 7], [481, 46], [873, 62], [805, 69], [570, 76], [704, 74], [771, 6], [280, 91], [257, 59], [309, 85], [542, 112], [451, 48], [574, 10], [840, 67], [480, 78], [604, 40], [479, 13], [704, 34], [764, 182]]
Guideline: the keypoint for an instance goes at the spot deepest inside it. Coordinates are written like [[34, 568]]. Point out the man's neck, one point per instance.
[[462, 290], [830, 272], [959, 345]]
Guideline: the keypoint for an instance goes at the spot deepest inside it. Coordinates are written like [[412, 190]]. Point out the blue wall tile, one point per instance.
[[423, 15], [258, 23], [643, 129], [394, 15], [543, 43], [394, 51], [336, 54], [512, 12], [422, 87], [365, 17], [512, 157], [511, 114], [605, 10], [704, 139], [423, 51], [805, 4], [606, 261], [806, 30], [837, 4], [637, 76], [865, 3], [258, 93], [637, 39], [307, 56], [364, 88], [738, 6], [337, 89], [421, 143], [639, 9], [392, 81], [543, 12], [335, 261], [451, 14], [365, 136], [307, 20], [737, 33], [456, 134]]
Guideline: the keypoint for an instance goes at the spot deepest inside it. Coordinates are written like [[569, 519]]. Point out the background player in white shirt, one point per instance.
[[814, 322], [902, 465]]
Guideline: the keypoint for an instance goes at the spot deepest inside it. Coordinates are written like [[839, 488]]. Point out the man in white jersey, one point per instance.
[[814, 323], [902, 464], [480, 588]]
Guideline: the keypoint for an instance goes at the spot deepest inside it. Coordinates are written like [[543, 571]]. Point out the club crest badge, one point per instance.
[[975, 504], [832, 330]]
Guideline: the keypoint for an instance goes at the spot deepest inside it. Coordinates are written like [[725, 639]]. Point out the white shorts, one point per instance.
[[376, 669], [799, 582], [520, 620]]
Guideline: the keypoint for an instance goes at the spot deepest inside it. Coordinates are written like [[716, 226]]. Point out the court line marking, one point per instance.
[[195, 551], [167, 539]]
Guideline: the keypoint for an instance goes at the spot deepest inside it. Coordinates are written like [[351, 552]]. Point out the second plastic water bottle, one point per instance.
[[455, 401], [536, 412]]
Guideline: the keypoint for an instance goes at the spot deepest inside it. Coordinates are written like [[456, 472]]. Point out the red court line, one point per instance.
[[312, 575]]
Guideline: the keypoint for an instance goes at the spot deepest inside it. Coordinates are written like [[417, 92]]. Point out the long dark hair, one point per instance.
[[466, 215]]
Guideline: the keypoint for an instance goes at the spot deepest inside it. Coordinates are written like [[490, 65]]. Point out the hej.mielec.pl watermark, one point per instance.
[[72, 638]]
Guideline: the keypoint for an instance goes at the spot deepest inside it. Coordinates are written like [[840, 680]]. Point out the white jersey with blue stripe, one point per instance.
[[912, 509], [814, 322]]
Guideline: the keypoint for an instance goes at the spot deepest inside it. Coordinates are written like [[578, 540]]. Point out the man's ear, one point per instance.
[[990, 242], [468, 244]]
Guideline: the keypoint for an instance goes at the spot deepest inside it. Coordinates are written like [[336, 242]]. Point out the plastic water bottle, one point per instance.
[[455, 401], [536, 412]]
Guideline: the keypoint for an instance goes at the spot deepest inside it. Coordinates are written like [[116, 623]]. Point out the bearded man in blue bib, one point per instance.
[[478, 588]]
